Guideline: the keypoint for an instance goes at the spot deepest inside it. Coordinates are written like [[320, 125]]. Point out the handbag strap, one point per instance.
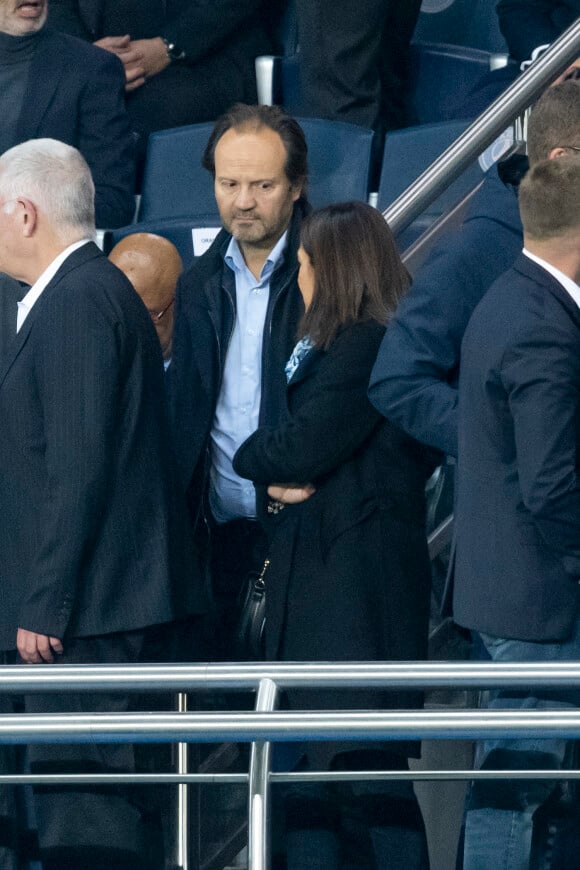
[[260, 581]]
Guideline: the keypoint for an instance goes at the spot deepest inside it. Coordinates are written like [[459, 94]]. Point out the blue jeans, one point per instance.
[[500, 814]]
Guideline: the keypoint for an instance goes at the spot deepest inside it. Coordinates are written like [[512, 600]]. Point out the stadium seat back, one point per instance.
[[442, 77], [191, 236], [410, 152], [472, 23], [175, 184], [339, 158]]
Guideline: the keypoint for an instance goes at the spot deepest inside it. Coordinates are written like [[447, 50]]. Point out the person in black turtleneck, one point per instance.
[[185, 61], [54, 86]]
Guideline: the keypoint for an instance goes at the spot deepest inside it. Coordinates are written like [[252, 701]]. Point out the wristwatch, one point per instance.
[[173, 52]]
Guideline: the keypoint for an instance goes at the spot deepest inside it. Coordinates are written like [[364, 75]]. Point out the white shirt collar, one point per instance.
[[567, 283], [26, 304]]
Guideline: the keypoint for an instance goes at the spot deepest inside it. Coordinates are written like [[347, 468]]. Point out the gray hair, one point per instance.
[[57, 180]]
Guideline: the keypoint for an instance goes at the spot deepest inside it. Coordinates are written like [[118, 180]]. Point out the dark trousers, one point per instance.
[[90, 826], [354, 59], [236, 548]]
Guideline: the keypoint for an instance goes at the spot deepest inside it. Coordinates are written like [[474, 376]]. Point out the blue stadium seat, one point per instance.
[[442, 78], [339, 159], [180, 231], [175, 184], [407, 154]]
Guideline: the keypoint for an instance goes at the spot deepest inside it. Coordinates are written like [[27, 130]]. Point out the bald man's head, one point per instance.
[[152, 264]]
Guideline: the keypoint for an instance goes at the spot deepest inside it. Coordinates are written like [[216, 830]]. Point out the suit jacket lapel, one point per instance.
[[81, 255], [18, 343], [534, 271], [43, 81]]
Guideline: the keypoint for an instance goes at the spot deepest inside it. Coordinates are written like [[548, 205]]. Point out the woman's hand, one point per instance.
[[288, 494]]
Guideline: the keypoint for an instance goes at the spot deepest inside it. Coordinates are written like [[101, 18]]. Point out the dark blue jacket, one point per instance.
[[414, 381], [517, 560], [204, 320], [75, 93]]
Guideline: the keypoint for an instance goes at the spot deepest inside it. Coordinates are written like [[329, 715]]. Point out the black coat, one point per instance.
[[349, 577], [75, 94], [92, 538]]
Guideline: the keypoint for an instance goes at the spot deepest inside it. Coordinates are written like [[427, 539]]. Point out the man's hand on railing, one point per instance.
[[35, 649]]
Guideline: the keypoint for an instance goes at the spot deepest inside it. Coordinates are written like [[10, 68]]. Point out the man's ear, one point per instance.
[[296, 192], [557, 152], [28, 215]]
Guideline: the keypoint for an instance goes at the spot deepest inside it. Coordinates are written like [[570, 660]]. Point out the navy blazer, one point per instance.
[[517, 561], [75, 94], [414, 380], [92, 538]]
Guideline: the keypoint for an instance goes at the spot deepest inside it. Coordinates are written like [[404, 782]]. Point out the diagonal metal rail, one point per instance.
[[484, 130]]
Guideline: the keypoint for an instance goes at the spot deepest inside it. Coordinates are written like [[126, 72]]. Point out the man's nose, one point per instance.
[[246, 198]]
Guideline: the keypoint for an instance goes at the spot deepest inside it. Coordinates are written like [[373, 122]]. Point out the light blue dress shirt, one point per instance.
[[238, 407]]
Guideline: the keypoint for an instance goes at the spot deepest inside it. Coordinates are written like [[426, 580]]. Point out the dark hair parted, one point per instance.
[[358, 273], [554, 120], [242, 117], [549, 197]]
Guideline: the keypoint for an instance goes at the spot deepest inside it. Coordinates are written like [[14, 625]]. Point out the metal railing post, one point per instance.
[[259, 786], [182, 796]]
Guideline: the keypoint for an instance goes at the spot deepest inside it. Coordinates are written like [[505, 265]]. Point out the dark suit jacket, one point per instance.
[[349, 576], [10, 292], [526, 24], [76, 94], [221, 39], [91, 534], [517, 565]]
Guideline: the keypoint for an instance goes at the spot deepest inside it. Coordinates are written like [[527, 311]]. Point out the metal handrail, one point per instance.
[[287, 675], [286, 726], [484, 130], [265, 725]]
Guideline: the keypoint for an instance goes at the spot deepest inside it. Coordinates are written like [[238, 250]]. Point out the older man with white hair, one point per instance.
[[92, 546]]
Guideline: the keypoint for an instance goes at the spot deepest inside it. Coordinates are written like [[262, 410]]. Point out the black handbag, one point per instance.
[[251, 630]]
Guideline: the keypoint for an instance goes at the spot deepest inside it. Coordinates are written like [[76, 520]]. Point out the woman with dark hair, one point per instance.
[[348, 575]]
